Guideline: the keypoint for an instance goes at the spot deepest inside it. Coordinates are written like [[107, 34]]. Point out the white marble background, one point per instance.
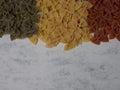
[[24, 66]]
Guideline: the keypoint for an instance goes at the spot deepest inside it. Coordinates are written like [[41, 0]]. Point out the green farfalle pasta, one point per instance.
[[18, 18]]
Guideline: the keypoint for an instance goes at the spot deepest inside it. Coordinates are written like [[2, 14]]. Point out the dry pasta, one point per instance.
[[104, 20], [18, 18], [34, 39], [63, 21]]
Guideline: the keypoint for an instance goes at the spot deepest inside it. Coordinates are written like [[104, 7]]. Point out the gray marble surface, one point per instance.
[[24, 66]]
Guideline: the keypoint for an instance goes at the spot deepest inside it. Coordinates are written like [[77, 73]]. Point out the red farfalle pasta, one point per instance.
[[104, 20]]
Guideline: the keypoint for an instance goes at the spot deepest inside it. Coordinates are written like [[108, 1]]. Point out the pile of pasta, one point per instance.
[[18, 18], [104, 20], [70, 22], [63, 21]]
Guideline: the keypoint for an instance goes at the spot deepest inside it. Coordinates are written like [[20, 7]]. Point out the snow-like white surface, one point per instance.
[[24, 66]]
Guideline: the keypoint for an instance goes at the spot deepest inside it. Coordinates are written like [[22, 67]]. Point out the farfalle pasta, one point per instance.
[[104, 20], [63, 21], [18, 18]]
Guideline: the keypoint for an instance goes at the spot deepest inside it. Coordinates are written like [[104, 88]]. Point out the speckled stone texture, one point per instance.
[[24, 66]]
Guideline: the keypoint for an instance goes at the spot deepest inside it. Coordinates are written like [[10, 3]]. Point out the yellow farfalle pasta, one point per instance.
[[34, 39], [63, 21]]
